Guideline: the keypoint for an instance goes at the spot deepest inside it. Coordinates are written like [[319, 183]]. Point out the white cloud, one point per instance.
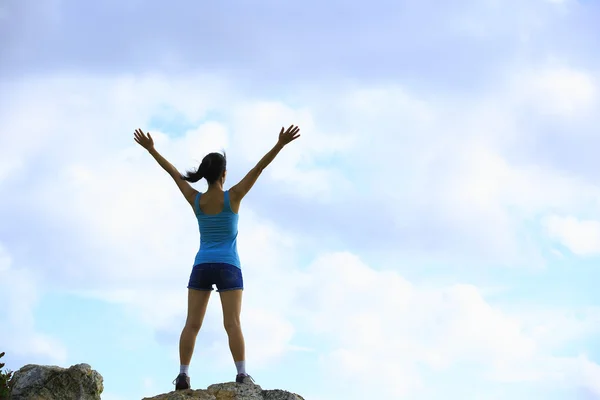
[[20, 292], [558, 91], [381, 326], [257, 126], [566, 91], [462, 167], [589, 375], [582, 237]]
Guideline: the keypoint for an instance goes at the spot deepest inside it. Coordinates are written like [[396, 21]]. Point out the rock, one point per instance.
[[43, 382], [280, 395], [228, 391], [80, 382], [183, 395]]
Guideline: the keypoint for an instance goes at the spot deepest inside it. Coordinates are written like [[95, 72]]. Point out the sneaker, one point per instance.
[[244, 378], [182, 382]]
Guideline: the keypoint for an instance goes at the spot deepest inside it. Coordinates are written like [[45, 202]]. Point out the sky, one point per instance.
[[433, 235]]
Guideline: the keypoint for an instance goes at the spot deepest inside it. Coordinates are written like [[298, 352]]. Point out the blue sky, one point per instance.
[[434, 234]]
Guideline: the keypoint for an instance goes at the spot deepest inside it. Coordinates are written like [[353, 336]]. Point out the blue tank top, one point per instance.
[[218, 235]]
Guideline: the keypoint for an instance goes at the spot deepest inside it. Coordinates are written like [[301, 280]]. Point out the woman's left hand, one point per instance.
[[143, 140]]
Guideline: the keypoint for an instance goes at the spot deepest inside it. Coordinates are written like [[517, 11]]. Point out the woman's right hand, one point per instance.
[[290, 134]]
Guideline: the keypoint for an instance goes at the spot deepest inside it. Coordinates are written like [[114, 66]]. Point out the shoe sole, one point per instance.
[[182, 387]]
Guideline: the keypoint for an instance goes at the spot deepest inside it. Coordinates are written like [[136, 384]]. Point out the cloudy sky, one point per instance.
[[434, 233]]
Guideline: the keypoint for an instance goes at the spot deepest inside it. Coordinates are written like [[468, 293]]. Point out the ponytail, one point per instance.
[[211, 169], [194, 176]]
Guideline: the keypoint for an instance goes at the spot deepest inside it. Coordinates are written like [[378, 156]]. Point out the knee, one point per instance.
[[193, 327], [232, 325]]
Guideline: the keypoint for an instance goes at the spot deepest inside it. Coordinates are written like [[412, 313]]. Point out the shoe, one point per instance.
[[182, 382], [244, 378]]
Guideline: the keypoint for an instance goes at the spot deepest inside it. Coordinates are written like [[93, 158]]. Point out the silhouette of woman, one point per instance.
[[217, 262]]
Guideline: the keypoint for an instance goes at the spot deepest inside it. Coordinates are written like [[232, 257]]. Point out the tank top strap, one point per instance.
[[197, 203], [226, 203]]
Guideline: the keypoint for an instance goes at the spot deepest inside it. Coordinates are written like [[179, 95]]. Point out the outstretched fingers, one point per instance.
[[140, 134], [294, 133], [290, 134], [144, 140], [292, 130]]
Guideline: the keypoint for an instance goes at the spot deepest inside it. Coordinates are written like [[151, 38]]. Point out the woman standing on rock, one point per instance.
[[217, 262]]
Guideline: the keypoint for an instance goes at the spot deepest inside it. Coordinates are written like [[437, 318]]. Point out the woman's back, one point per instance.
[[218, 224]]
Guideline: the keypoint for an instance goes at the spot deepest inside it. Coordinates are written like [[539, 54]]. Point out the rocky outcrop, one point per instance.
[[43, 382], [80, 382], [228, 391]]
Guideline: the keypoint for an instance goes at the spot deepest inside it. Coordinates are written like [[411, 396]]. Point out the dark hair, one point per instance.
[[212, 167]]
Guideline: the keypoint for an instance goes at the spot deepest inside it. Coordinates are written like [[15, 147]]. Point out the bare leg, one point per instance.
[[231, 301], [197, 303]]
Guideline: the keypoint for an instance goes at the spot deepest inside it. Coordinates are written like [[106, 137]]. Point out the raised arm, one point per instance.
[[243, 187], [146, 142]]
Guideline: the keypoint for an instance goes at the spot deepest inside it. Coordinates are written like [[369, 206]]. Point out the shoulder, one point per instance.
[[193, 197], [234, 194], [234, 200]]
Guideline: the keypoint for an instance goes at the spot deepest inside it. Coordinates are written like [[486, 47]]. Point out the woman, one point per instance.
[[217, 262]]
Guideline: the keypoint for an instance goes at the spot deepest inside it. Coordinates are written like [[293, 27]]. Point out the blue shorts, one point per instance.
[[225, 276]]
